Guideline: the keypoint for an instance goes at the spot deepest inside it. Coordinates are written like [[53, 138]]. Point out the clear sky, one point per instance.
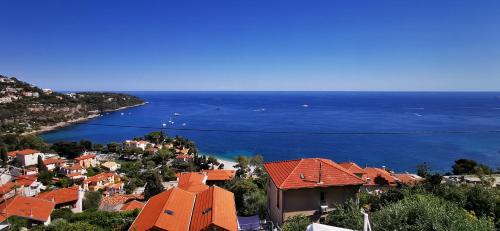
[[252, 44]]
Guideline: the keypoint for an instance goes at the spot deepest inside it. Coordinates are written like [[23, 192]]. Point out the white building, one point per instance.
[[27, 157]]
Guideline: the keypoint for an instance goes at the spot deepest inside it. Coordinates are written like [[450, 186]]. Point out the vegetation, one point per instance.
[[153, 185], [92, 200], [298, 222], [30, 113]]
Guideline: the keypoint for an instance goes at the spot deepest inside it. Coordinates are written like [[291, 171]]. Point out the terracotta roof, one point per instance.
[[84, 157], [101, 177], [214, 207], [73, 175], [25, 180], [177, 209], [109, 164], [183, 156], [192, 181], [372, 173], [53, 161], [7, 187], [352, 167], [74, 167], [219, 174], [23, 152], [110, 202], [60, 196], [305, 173], [29, 207], [407, 178], [169, 210], [131, 205]]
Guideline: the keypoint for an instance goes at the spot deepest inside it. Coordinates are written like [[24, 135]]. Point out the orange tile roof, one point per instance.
[[74, 167], [116, 199], [372, 173], [305, 173], [60, 196], [25, 180], [352, 167], [131, 205], [408, 179], [7, 187], [53, 161], [101, 177], [219, 174], [23, 152], [177, 209], [84, 157], [169, 210], [214, 207], [29, 207], [183, 156], [192, 181]]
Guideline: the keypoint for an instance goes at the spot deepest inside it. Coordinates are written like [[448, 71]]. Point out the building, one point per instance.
[[177, 209], [354, 168], [183, 158], [101, 181], [408, 178], [29, 185], [311, 187], [110, 166], [26, 157], [140, 144], [218, 176], [35, 211], [87, 160], [9, 190], [75, 171], [194, 182], [119, 202], [52, 163], [378, 179], [70, 198]]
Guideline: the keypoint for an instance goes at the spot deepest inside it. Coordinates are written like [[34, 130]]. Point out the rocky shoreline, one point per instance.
[[59, 125]]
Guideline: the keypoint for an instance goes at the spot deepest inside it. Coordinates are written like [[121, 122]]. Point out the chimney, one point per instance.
[[320, 169]]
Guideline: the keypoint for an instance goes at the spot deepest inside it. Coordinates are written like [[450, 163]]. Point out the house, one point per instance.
[[177, 209], [183, 158], [311, 187], [353, 168], [5, 176], [101, 181], [29, 185], [52, 163], [36, 211], [378, 179], [119, 202], [87, 160], [408, 178], [70, 198], [75, 171], [194, 182], [132, 205], [9, 190], [140, 144], [111, 166], [26, 157], [218, 176]]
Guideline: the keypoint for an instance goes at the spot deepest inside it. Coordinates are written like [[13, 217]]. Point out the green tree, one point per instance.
[[481, 200], [3, 155], [423, 170], [295, 223], [153, 185], [242, 166], [113, 147], [247, 196], [41, 167], [168, 174], [466, 166], [212, 161], [347, 215], [91, 200]]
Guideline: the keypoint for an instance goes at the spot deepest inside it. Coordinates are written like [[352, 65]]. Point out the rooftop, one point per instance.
[[219, 174], [192, 181], [28, 207], [60, 196], [84, 157], [310, 173]]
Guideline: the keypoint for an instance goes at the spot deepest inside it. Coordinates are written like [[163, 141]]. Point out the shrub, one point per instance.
[[481, 201], [347, 215], [91, 200], [295, 223], [425, 212]]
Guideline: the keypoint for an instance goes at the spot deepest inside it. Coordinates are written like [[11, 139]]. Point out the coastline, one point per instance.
[[59, 125]]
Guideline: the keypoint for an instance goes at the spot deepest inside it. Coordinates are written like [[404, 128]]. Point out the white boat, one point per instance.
[[164, 124], [122, 113], [177, 114], [184, 124], [305, 105], [171, 121]]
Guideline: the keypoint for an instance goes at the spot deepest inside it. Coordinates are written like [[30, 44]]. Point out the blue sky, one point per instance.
[[252, 44]]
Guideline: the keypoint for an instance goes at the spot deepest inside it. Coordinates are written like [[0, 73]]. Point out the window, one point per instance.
[[322, 197]]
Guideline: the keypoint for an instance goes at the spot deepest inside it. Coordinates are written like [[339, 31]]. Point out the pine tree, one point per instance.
[[41, 167], [153, 185], [3, 155]]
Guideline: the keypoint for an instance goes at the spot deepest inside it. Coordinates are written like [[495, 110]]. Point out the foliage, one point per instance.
[[63, 213], [298, 222], [425, 212], [481, 201], [91, 200], [423, 170], [168, 174], [347, 215], [242, 166], [17, 223], [391, 196], [68, 149], [249, 199], [466, 166], [3, 154], [41, 167], [156, 137], [113, 147], [92, 171], [90, 220], [63, 225], [45, 177], [153, 185]]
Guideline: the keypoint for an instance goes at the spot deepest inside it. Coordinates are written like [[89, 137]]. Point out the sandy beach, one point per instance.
[[228, 164]]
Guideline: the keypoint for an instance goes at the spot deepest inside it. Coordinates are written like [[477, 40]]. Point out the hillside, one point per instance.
[[26, 108]]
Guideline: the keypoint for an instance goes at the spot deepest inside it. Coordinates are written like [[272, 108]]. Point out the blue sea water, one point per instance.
[[430, 118]]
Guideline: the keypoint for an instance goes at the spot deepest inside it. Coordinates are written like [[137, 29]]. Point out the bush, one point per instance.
[[425, 212], [91, 200], [347, 215], [391, 196], [481, 201], [64, 213], [295, 223]]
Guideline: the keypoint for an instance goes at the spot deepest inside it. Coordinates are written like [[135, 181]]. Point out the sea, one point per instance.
[[398, 130]]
